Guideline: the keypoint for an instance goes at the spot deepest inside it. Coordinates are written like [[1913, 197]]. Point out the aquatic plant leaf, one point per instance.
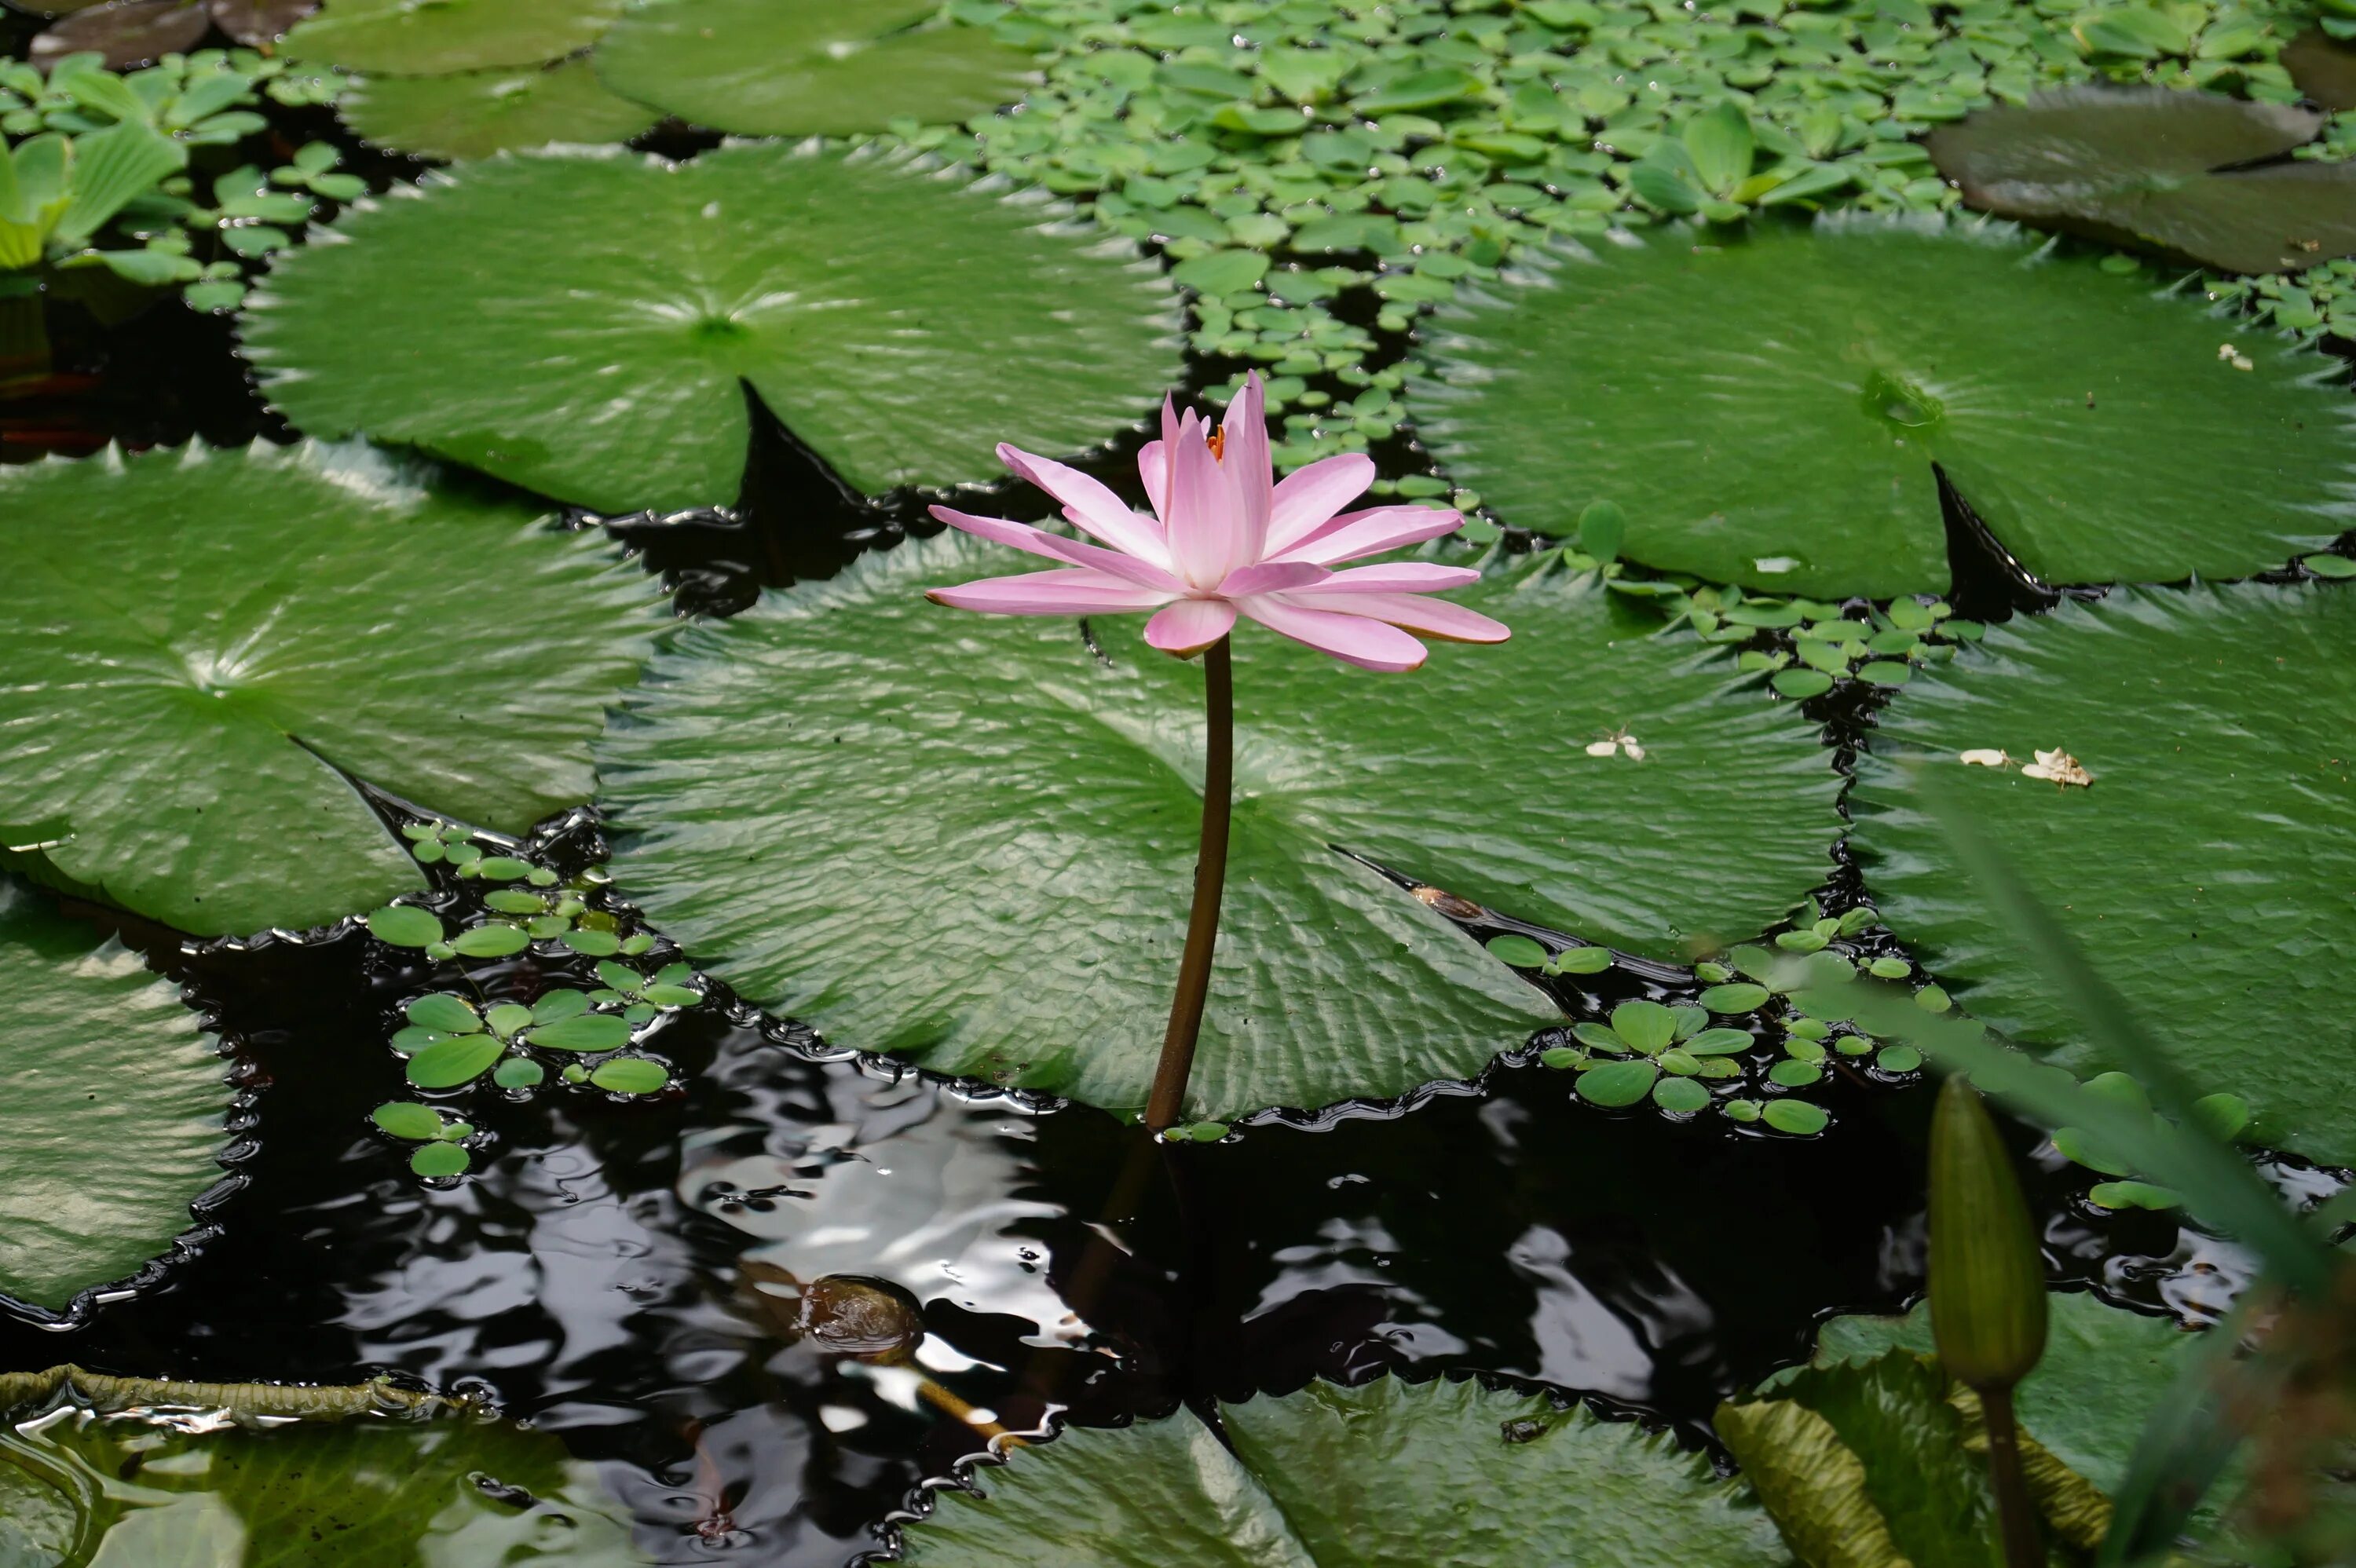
[[1373, 1477], [2105, 1367], [360, 1477], [806, 67], [2155, 164], [472, 114], [2205, 872], [125, 33], [110, 1107], [1766, 409], [1033, 810], [273, 624], [259, 22], [402, 37], [614, 376], [2324, 68]]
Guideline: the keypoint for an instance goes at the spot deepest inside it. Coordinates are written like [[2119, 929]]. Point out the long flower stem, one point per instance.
[[2015, 1515], [1165, 1106]]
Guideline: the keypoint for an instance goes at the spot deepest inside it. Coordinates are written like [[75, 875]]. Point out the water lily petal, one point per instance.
[[1397, 577], [1359, 640], [1428, 617], [1244, 458], [1307, 499], [1153, 461], [1371, 532], [1090, 504], [1202, 509], [1065, 591], [1270, 577], [1190, 626], [1038, 541]]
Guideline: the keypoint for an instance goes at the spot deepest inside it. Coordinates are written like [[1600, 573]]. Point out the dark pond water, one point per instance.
[[588, 1276]]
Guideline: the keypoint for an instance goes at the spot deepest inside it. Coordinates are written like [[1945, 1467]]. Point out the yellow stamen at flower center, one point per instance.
[[1217, 441]]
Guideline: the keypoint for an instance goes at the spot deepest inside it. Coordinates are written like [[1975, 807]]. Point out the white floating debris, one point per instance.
[[2058, 767], [1618, 741], [1601, 748], [1985, 758], [2236, 357]]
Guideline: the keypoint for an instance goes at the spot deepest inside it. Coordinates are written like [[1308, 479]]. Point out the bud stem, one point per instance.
[[1167, 1102], [2016, 1514]]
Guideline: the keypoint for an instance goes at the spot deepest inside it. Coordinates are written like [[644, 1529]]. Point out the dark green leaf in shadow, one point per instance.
[[2160, 164], [1007, 321], [112, 1106], [2324, 68], [1767, 408], [125, 33], [808, 67]]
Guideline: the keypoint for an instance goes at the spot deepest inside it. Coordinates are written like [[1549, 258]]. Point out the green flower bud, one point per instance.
[[1987, 1277]]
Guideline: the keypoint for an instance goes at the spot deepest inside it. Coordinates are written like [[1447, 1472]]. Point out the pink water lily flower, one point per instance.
[[1226, 540]]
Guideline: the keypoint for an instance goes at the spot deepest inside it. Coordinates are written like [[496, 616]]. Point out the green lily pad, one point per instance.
[[2104, 1369], [615, 375], [2162, 166], [274, 623], [111, 1107], [407, 37], [472, 114], [364, 1478], [1033, 812], [2206, 869], [1390, 1475], [808, 67], [1767, 408], [2324, 68]]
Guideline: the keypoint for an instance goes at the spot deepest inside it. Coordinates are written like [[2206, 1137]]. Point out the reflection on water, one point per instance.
[[637, 1278]]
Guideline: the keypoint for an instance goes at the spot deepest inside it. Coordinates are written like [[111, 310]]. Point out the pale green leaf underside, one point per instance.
[[1766, 409], [368, 1491], [110, 1107], [2104, 1370], [2210, 870], [613, 308], [1390, 1475], [966, 839], [472, 114], [180, 723], [806, 68], [405, 37]]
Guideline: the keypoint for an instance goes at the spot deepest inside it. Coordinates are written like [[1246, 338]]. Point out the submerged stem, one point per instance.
[[1163, 1107], [2016, 1514]]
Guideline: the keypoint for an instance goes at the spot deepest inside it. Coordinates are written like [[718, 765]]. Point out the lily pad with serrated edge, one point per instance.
[[111, 1107], [2184, 171], [403, 38], [1387, 1475], [808, 67], [2207, 870], [1767, 408], [274, 623], [615, 375], [1033, 811], [370, 1477], [472, 114]]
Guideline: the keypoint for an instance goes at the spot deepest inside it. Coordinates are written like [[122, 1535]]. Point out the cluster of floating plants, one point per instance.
[[1847, 407]]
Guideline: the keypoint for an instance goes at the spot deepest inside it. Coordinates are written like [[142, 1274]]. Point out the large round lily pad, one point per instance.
[[968, 839], [613, 308], [307, 1477], [2209, 869], [110, 1107], [472, 114], [1766, 409], [1390, 1475], [801, 68], [426, 37], [2163, 166], [208, 646]]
